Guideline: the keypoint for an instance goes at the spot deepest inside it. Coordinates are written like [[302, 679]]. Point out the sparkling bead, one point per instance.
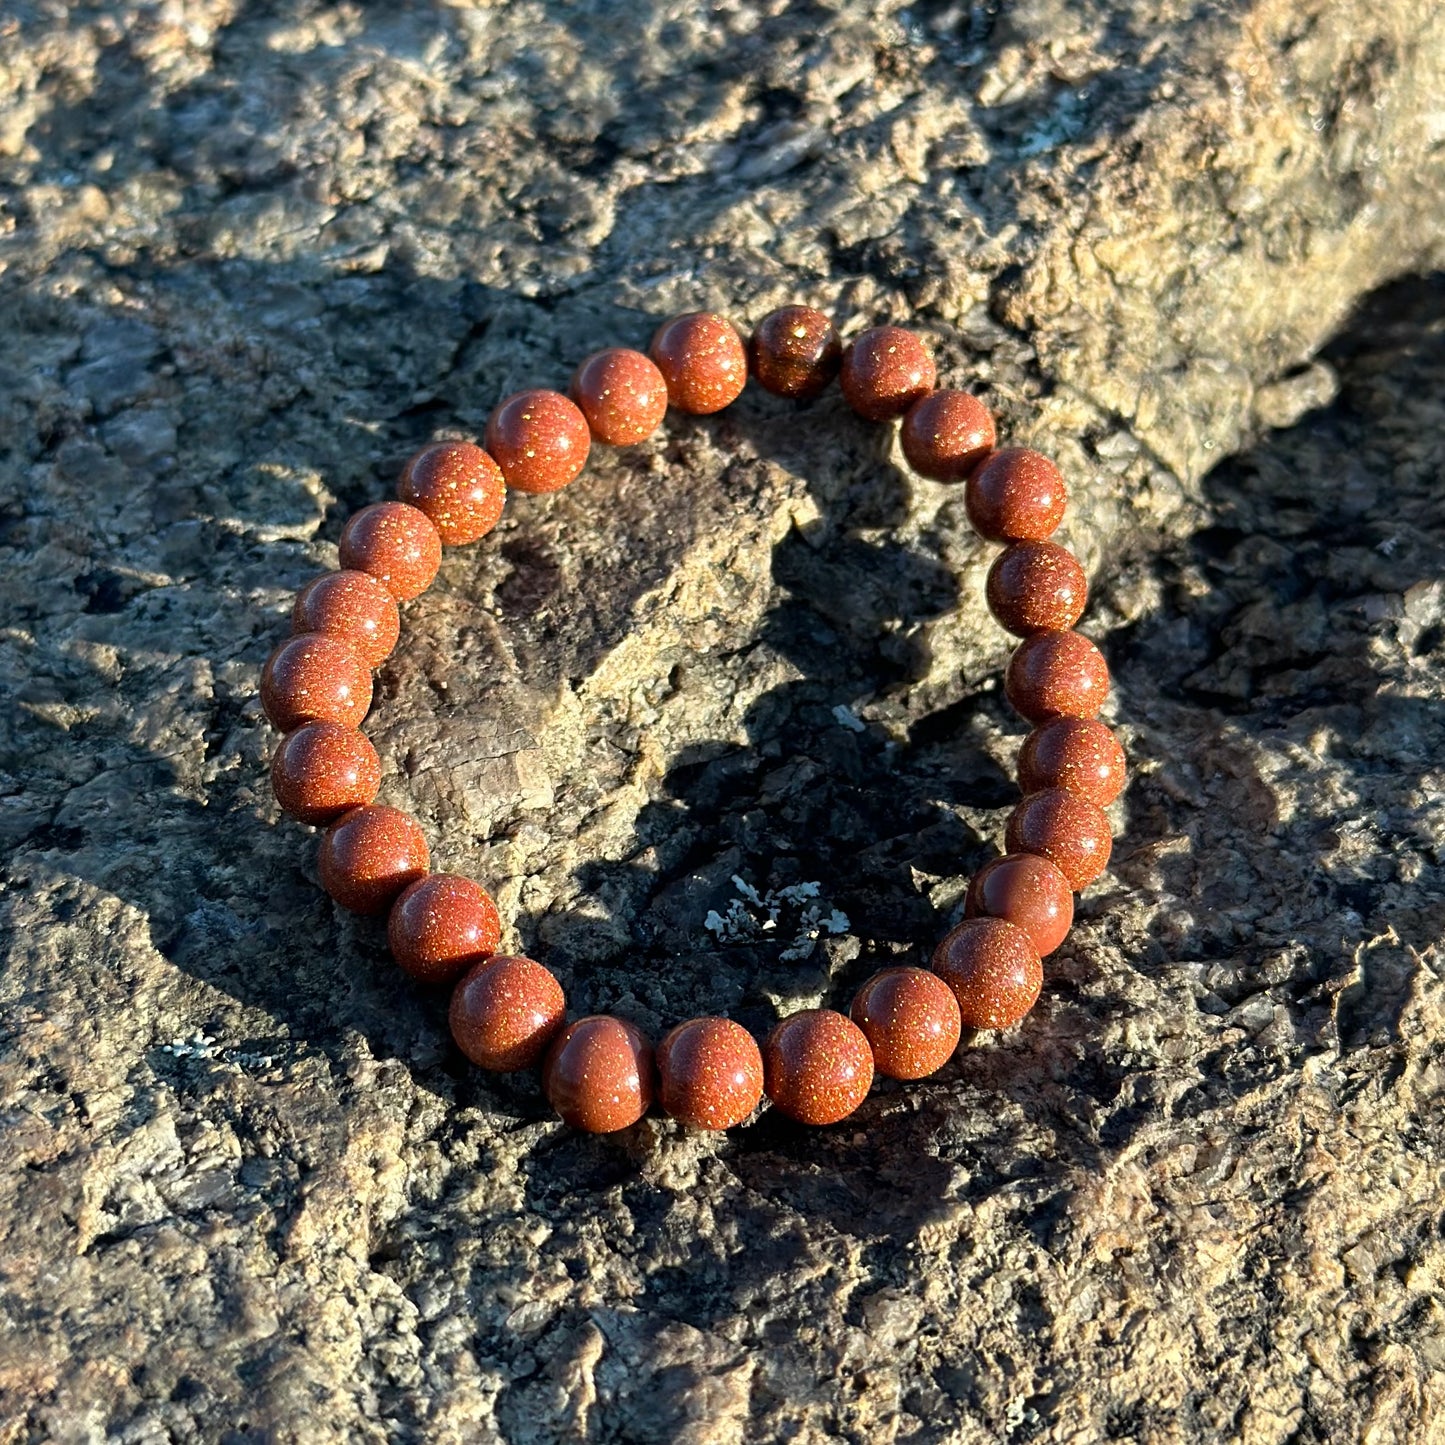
[[710, 1073], [441, 925], [703, 361], [396, 544], [946, 435], [505, 1013], [1056, 674], [322, 770], [622, 394], [369, 855], [599, 1074], [818, 1066], [911, 1021], [458, 486], [795, 352], [886, 370], [352, 607], [1072, 834], [993, 970], [314, 678], [1036, 587], [539, 439], [1029, 892], [1017, 495], [1080, 754]]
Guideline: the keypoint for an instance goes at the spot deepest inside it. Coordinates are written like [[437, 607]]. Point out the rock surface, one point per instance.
[[253, 255]]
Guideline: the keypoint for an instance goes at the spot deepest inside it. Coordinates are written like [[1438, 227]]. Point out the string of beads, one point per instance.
[[508, 1012]]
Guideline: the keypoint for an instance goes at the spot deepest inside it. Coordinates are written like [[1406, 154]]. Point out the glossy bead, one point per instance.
[[458, 486], [1017, 495], [911, 1021], [599, 1074], [886, 370], [795, 352], [369, 855], [322, 770], [818, 1066], [1073, 835], [946, 435], [312, 678], [1028, 891], [1056, 674], [993, 970], [441, 925], [396, 544], [539, 439], [710, 1073], [702, 360], [1036, 587], [505, 1012], [622, 395], [352, 607], [1080, 754]]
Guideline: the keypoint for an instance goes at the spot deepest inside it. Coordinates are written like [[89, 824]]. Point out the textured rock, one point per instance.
[[251, 258]]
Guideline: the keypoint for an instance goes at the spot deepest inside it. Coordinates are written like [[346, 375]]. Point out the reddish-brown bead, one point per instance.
[[1029, 892], [622, 394], [795, 352], [352, 607], [505, 1012], [322, 770], [369, 855], [993, 969], [1017, 495], [396, 544], [441, 925], [458, 486], [710, 1073], [315, 678], [884, 371], [946, 435], [1056, 674], [599, 1074], [1036, 587], [818, 1066], [1073, 835], [539, 439], [911, 1021], [1080, 754], [703, 361]]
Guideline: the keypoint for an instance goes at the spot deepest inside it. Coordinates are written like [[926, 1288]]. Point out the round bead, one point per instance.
[[396, 544], [1029, 892], [322, 770], [911, 1021], [352, 607], [1073, 835], [993, 970], [622, 395], [710, 1073], [946, 435], [505, 1012], [1017, 495], [817, 1066], [1080, 754], [369, 855], [1036, 587], [702, 360], [1056, 674], [312, 678], [795, 352], [441, 925], [886, 370], [599, 1074], [539, 439], [458, 486]]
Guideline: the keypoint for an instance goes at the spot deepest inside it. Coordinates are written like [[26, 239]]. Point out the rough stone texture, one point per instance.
[[253, 256]]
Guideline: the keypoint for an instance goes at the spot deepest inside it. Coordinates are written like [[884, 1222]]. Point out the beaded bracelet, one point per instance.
[[600, 1073]]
